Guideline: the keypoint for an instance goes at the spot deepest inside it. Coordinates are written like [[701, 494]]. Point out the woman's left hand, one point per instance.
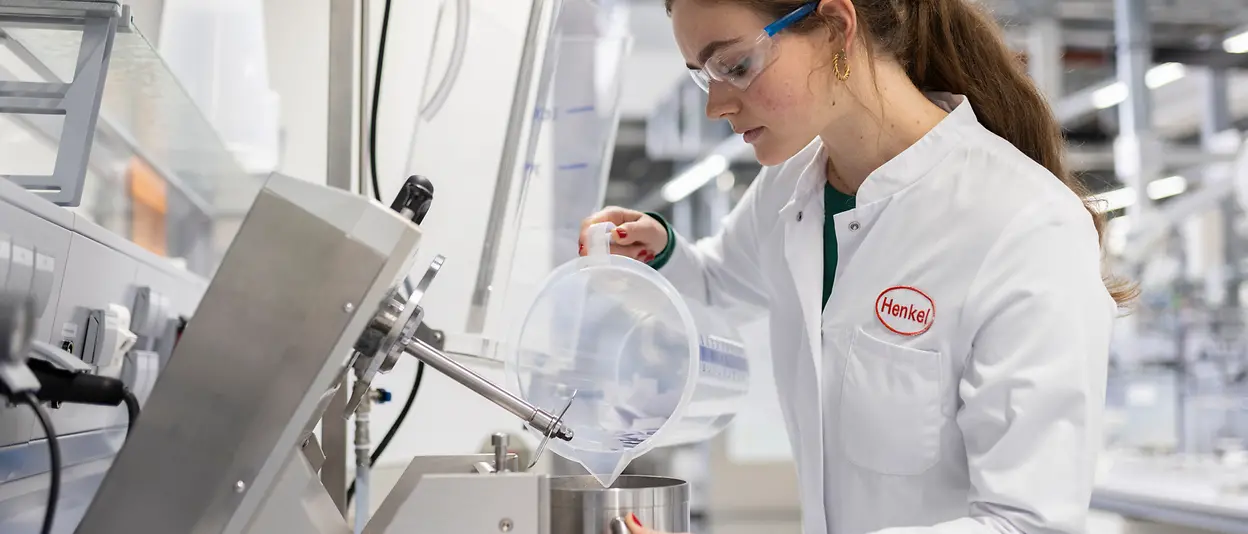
[[634, 526]]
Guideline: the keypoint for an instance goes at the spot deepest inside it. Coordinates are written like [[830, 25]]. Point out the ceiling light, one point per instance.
[[1163, 74], [1116, 93], [1110, 95], [1236, 44], [1167, 187], [1123, 197]]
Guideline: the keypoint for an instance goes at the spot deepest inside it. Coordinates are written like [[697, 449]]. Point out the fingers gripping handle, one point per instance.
[[600, 238]]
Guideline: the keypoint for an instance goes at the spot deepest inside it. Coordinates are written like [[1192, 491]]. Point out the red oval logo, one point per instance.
[[905, 310]]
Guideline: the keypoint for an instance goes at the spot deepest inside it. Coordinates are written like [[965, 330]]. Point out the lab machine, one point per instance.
[[226, 441]]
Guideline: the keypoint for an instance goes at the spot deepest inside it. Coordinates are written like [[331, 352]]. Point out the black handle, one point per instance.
[[57, 385], [414, 198]]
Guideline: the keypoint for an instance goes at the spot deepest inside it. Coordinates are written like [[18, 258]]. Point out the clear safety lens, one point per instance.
[[699, 77], [738, 65]]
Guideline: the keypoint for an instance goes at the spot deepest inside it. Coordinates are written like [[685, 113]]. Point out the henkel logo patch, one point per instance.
[[905, 310]]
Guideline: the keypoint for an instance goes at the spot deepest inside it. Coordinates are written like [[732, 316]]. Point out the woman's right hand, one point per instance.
[[636, 234]]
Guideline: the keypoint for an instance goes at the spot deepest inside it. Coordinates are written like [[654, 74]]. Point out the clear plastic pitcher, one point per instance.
[[647, 367]]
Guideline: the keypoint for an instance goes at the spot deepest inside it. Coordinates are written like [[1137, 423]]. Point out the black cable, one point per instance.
[[54, 453], [407, 406], [372, 164], [372, 123], [394, 428], [132, 407]]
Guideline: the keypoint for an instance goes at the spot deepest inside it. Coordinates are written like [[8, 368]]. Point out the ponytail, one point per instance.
[[953, 46]]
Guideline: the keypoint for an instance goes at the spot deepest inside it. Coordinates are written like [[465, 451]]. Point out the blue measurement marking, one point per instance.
[[573, 166], [724, 359], [582, 109]]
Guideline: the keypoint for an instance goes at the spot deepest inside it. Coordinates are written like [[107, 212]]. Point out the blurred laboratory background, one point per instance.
[[136, 135]]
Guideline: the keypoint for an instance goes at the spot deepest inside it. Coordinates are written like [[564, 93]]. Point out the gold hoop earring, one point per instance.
[[836, 65]]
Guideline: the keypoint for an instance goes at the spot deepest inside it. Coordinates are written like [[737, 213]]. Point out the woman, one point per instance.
[[952, 377]]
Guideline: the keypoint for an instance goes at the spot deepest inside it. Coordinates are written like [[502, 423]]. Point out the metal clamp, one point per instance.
[[550, 433]]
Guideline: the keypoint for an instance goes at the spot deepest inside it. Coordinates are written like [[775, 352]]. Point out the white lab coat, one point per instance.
[[968, 397]]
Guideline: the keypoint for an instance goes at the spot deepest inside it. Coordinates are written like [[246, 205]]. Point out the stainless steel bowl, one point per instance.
[[580, 505]]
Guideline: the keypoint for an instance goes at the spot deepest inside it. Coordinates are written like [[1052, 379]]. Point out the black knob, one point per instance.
[[414, 198]]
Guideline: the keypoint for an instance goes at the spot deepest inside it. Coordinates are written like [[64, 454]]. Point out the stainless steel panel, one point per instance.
[[305, 274], [580, 505], [298, 502], [400, 498], [513, 503]]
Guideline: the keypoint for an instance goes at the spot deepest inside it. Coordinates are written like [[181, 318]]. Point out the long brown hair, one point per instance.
[[954, 46]]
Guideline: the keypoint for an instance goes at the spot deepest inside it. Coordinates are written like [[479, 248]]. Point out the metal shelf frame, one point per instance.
[[78, 100]]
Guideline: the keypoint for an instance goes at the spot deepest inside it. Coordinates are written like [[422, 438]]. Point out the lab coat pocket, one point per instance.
[[890, 418]]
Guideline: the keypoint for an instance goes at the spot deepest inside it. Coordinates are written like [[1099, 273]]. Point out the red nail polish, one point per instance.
[[582, 249], [623, 233], [635, 520]]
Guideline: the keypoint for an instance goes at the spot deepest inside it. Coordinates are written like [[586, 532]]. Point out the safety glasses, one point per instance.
[[741, 63]]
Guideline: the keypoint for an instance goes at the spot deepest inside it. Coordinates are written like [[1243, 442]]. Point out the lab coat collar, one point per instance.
[[898, 173]]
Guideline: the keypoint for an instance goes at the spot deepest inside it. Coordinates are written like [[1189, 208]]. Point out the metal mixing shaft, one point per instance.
[[538, 418]]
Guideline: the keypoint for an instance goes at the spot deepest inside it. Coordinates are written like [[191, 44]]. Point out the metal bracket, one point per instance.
[[312, 451], [78, 101], [401, 326]]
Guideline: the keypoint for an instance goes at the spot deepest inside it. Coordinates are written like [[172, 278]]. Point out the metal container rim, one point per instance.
[[588, 484]]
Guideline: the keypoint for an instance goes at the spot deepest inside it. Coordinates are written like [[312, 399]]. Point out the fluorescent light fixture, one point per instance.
[[1116, 93], [694, 177], [1236, 44], [1157, 190], [1163, 74], [1109, 96], [1167, 187]]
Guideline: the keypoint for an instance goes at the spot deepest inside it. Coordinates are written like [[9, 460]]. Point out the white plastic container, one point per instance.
[[648, 367]]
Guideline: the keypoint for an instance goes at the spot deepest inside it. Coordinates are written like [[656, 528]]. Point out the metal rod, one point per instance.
[[342, 27], [536, 417], [363, 462], [363, 170], [341, 107], [1135, 161], [1217, 120]]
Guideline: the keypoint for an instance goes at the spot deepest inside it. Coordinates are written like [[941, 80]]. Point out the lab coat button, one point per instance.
[[799, 216], [854, 226]]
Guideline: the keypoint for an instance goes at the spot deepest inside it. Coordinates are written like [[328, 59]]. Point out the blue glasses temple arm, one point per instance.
[[788, 20]]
